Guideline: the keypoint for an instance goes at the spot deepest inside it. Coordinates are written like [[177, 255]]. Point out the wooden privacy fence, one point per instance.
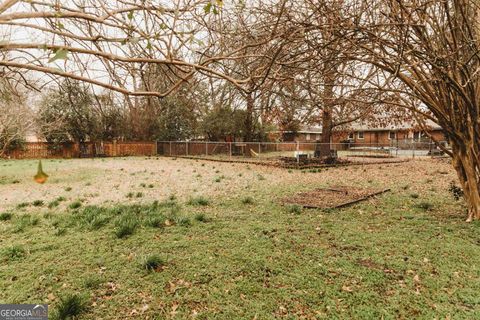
[[42, 150]]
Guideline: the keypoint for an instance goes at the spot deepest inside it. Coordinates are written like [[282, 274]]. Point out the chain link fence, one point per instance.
[[397, 149]]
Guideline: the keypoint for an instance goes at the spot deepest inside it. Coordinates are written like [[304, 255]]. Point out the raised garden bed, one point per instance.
[[333, 197]]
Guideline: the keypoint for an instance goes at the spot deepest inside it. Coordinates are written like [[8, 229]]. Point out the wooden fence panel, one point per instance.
[[136, 148], [44, 150]]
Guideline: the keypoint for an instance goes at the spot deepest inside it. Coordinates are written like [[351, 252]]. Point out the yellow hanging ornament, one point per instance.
[[41, 177]]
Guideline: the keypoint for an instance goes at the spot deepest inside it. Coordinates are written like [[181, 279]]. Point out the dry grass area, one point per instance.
[[134, 180]]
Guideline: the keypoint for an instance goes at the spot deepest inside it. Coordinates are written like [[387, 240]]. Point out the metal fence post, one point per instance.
[[206, 148], [170, 148], [230, 148], [259, 148], [186, 148]]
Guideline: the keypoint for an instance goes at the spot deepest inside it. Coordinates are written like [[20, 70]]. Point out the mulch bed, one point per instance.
[[333, 197]]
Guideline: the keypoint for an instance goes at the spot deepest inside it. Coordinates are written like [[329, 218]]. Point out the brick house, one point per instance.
[[364, 135], [389, 135]]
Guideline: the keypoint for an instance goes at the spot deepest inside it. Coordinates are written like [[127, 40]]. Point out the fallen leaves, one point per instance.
[[174, 286], [173, 311], [346, 288]]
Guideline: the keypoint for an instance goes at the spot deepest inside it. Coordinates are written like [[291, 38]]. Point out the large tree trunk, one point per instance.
[[326, 132], [467, 164]]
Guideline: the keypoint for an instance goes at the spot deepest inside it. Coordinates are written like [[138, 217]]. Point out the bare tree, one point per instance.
[[106, 43], [16, 119], [259, 32], [429, 51]]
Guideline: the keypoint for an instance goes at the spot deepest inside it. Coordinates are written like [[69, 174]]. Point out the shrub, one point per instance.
[[70, 306], [139, 195], [68, 189], [130, 195], [260, 177], [247, 200], [414, 195], [198, 201], [153, 263], [75, 205], [143, 185], [60, 199], [4, 216]]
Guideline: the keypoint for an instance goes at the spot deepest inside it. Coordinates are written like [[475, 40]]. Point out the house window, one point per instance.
[[317, 137], [392, 135], [360, 135], [417, 135], [308, 136], [350, 136]]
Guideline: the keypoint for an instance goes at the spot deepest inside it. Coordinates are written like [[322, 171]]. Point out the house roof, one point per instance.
[[405, 125], [366, 126], [312, 129], [303, 129]]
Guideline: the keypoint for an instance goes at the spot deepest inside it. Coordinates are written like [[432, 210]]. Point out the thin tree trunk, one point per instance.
[[327, 117], [249, 118]]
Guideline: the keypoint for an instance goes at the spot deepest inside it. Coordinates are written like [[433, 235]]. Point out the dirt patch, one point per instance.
[[334, 197], [311, 162], [292, 163]]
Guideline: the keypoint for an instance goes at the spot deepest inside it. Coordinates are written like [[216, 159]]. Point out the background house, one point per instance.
[[305, 134], [364, 134]]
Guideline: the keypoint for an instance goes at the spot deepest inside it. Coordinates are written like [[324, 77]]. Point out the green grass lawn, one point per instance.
[[244, 256]]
